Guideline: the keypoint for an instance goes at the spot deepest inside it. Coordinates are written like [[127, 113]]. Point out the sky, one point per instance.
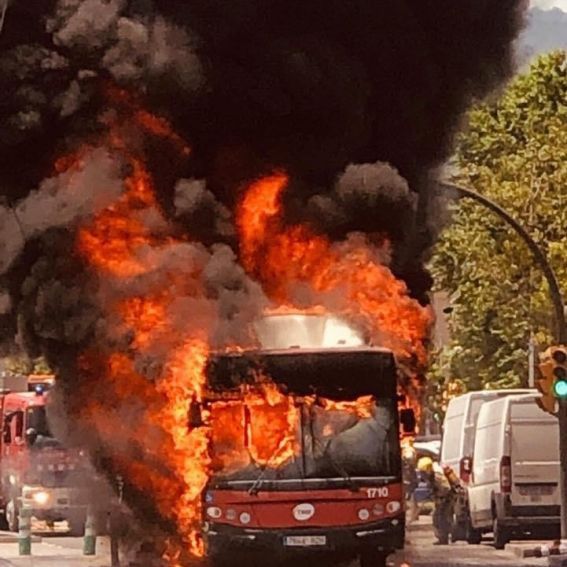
[[549, 4]]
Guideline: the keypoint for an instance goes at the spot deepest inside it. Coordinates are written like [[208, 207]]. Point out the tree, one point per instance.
[[22, 364], [515, 152]]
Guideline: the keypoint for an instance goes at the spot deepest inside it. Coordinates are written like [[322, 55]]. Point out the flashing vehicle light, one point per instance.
[[41, 497], [39, 389]]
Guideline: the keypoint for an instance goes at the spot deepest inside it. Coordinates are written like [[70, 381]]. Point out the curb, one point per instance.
[[538, 551], [9, 538], [520, 550]]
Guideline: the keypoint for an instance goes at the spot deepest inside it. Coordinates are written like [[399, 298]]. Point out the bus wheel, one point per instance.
[[12, 515], [372, 558]]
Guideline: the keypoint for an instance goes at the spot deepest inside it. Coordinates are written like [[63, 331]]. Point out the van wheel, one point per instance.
[[473, 536], [501, 535], [372, 558]]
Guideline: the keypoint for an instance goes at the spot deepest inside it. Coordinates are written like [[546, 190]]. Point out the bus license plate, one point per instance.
[[305, 541]]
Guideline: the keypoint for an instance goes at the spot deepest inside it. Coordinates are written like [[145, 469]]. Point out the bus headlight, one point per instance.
[[363, 514], [214, 512], [41, 497]]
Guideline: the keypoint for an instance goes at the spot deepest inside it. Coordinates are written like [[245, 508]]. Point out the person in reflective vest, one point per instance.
[[444, 486]]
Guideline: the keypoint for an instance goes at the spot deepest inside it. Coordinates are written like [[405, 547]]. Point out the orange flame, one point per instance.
[[174, 467], [350, 274], [259, 427]]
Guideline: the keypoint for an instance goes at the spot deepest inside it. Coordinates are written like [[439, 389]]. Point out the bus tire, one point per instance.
[[373, 558]]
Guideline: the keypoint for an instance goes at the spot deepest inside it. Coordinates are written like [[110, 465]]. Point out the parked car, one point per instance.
[[515, 480], [457, 449]]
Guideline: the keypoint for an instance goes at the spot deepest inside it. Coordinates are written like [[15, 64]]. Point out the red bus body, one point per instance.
[[343, 515]]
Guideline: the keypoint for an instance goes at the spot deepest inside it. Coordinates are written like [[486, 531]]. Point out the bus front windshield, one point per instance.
[[302, 437]]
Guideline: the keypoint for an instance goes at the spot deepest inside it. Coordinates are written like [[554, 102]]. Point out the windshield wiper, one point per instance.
[[341, 470], [257, 484]]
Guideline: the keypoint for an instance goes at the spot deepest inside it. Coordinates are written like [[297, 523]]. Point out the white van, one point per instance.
[[457, 450], [459, 428], [515, 481]]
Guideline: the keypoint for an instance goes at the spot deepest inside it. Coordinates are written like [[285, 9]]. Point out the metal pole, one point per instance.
[[89, 538], [560, 327], [24, 531]]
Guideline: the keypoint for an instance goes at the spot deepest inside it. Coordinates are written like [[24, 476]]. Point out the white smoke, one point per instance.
[[59, 201], [131, 48]]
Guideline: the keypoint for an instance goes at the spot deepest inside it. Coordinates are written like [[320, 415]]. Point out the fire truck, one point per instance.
[[340, 495], [36, 472]]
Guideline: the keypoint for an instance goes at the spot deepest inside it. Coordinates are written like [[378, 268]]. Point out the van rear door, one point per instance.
[[534, 455]]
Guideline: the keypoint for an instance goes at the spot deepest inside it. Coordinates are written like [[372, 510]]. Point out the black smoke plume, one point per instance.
[[358, 101]]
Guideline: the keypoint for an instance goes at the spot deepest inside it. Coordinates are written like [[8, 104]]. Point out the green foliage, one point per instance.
[[21, 364], [515, 152]]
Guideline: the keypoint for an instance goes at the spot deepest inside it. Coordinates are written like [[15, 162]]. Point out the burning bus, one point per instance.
[[305, 444]]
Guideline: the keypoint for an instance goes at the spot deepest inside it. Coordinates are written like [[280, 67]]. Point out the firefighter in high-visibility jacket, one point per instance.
[[444, 486]]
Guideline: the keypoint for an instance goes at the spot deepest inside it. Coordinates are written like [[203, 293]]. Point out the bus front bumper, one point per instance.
[[387, 535]]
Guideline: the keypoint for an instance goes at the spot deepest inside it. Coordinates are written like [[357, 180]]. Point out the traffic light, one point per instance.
[[559, 358], [552, 381]]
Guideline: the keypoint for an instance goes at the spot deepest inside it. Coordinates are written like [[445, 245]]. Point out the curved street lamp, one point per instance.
[[540, 257], [559, 309]]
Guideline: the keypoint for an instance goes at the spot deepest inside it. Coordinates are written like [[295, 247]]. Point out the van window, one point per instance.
[[452, 434]]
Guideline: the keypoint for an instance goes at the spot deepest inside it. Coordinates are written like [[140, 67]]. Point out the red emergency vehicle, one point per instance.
[[342, 494], [36, 472]]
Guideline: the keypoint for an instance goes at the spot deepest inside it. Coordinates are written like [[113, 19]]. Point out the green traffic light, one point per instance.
[[560, 389]]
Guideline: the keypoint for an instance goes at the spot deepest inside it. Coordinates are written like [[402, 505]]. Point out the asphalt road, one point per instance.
[[421, 551], [59, 550]]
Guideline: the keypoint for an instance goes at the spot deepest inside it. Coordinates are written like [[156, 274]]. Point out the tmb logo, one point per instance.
[[303, 512]]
